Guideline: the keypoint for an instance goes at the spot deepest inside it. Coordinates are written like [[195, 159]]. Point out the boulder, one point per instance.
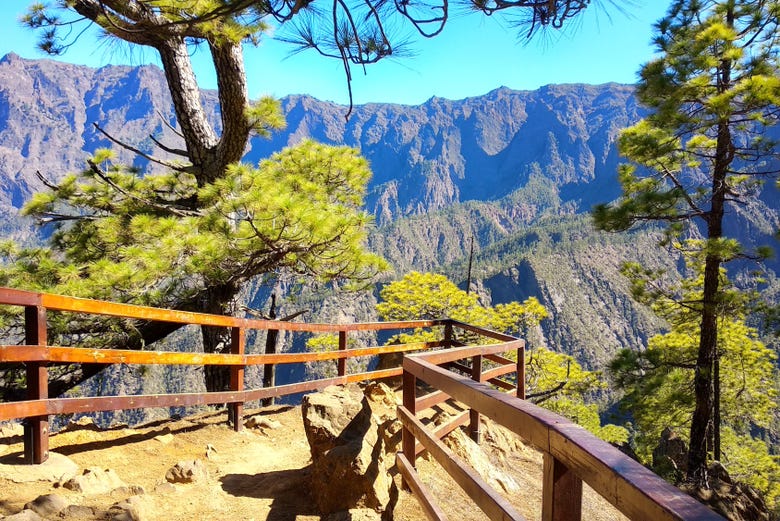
[[734, 500], [24, 515], [187, 472], [472, 454], [47, 505], [94, 481], [353, 437], [670, 457]]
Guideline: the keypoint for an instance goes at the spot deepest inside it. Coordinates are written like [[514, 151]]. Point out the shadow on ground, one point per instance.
[[288, 490]]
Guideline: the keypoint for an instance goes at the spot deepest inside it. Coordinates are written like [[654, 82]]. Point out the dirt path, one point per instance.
[[257, 474]]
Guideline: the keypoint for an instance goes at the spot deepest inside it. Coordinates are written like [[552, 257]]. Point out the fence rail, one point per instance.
[[37, 355], [572, 455]]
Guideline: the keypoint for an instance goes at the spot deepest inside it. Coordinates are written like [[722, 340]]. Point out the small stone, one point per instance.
[[165, 488], [94, 481], [78, 511], [128, 490], [24, 515], [260, 422], [187, 472], [47, 505], [127, 510]]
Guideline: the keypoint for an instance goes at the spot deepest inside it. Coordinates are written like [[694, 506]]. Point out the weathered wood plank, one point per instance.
[[36, 449], [17, 297], [420, 491], [633, 489], [498, 371], [431, 399], [33, 353], [561, 492], [500, 359], [487, 499], [9, 296], [525, 419], [458, 353]]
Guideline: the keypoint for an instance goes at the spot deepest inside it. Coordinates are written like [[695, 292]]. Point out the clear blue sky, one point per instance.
[[474, 54]]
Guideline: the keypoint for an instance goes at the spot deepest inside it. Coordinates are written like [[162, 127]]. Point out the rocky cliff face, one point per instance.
[[514, 170]]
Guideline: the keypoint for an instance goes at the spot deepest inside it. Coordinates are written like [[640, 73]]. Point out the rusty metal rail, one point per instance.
[[37, 355], [572, 455]]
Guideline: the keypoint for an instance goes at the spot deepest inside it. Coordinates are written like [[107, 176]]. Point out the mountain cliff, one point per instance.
[[514, 170]]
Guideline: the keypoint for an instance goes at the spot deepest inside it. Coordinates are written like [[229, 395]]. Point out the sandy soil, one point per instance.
[[256, 474]]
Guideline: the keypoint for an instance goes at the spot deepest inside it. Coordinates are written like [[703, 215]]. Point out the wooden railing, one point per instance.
[[571, 454], [37, 355]]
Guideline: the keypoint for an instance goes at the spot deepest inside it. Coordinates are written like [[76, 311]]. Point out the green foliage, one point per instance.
[[299, 211], [702, 152], [554, 380], [659, 390]]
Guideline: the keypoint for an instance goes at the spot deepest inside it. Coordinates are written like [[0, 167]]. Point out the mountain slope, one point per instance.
[[515, 171]]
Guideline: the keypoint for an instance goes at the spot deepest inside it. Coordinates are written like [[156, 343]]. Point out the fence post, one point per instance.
[[342, 362], [561, 492], [521, 371], [410, 404], [36, 440], [476, 375], [448, 334], [237, 347]]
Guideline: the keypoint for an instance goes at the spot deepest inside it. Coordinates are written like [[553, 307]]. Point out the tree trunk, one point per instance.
[[219, 301], [705, 424]]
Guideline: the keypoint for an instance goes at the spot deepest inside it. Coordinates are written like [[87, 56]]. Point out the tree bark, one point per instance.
[[220, 300], [705, 424]]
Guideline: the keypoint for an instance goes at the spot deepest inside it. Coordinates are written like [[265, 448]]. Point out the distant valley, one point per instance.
[[515, 171]]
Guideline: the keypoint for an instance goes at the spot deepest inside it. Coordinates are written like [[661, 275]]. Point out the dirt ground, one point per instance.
[[256, 474]]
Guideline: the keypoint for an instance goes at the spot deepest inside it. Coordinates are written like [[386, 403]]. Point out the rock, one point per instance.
[[83, 423], [128, 510], [24, 515], [131, 490], [260, 422], [187, 472], [165, 439], [165, 488], [78, 512], [670, 457], [733, 500], [94, 481], [472, 454], [56, 468], [350, 438], [47, 505]]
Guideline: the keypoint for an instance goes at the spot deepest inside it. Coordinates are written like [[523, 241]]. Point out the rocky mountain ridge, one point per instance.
[[514, 170]]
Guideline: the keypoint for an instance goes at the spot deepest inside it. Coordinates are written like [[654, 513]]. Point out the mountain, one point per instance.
[[517, 171]]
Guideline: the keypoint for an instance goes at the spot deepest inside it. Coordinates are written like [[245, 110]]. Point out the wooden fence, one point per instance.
[[38, 355], [572, 455]]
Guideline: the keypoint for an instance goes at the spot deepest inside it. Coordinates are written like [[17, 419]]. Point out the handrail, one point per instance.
[[572, 455], [36, 354]]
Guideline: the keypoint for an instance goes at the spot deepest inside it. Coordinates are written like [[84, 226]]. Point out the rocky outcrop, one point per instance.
[[187, 472], [94, 481], [735, 501], [670, 457], [353, 436]]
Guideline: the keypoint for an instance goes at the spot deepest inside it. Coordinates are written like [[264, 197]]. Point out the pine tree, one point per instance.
[[554, 380], [138, 238], [659, 390], [713, 91]]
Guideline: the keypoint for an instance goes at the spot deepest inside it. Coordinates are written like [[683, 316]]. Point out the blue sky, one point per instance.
[[475, 54]]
